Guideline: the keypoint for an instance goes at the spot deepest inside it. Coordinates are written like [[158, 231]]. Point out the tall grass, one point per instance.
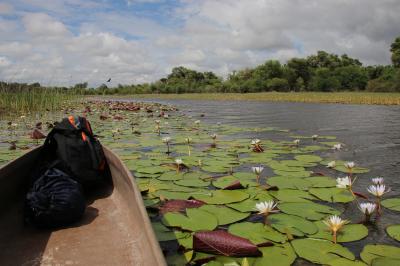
[[313, 97], [27, 101]]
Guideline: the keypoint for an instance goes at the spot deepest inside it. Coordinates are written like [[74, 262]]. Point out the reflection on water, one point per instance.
[[371, 134]]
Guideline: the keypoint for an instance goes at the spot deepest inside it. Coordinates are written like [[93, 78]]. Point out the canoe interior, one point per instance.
[[115, 229]]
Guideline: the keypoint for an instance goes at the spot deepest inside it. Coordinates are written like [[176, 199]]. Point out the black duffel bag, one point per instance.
[[54, 200]]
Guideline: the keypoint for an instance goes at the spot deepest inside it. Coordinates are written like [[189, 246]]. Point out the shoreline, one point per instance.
[[367, 98]]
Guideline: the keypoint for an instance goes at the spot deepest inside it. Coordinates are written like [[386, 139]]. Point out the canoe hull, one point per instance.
[[115, 229]]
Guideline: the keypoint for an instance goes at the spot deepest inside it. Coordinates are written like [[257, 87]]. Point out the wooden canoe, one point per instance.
[[115, 229]]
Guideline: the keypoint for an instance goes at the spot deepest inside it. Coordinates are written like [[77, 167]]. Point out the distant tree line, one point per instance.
[[320, 72]]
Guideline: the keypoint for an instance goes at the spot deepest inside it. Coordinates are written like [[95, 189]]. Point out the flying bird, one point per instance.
[[109, 80]]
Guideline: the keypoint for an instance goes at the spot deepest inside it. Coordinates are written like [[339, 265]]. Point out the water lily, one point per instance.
[[157, 122], [256, 144], [345, 182], [266, 207], [314, 137], [367, 208], [158, 128], [257, 170], [200, 162], [178, 162], [296, 142], [335, 223], [337, 146], [378, 180], [331, 164], [214, 137], [167, 140], [378, 191], [188, 141], [197, 122]]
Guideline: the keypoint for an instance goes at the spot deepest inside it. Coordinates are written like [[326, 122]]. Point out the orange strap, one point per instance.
[[71, 119]]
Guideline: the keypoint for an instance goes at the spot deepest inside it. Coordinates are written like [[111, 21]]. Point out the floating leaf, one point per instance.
[[320, 251], [292, 195], [223, 196], [247, 205], [292, 225], [223, 243], [165, 234], [332, 194], [371, 252], [348, 233], [308, 158], [224, 214], [192, 183], [346, 262], [321, 181], [178, 205], [283, 182], [394, 231], [308, 210], [194, 221], [278, 255], [392, 204], [170, 176], [257, 233]]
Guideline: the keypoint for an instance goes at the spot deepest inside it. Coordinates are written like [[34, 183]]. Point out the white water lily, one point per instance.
[[213, 136], [257, 169], [255, 141], [219, 123], [166, 139], [188, 140], [331, 164], [296, 141], [178, 161], [197, 122], [165, 115], [378, 190], [378, 180], [157, 122], [344, 182], [314, 137], [335, 223], [367, 207], [349, 165], [337, 146], [266, 207]]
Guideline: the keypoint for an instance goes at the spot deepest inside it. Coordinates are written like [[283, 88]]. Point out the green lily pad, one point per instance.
[[248, 205], [308, 158], [385, 262], [321, 181], [392, 204], [224, 214], [332, 194], [346, 262], [165, 234], [292, 195], [170, 176], [292, 225], [277, 255], [348, 233], [394, 231], [223, 196], [283, 182], [372, 252], [308, 210], [194, 220], [257, 233], [192, 183], [320, 251]]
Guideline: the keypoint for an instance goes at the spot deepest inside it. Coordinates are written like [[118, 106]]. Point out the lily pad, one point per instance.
[[224, 214], [348, 233], [277, 255], [292, 195], [223, 196], [320, 251], [170, 176], [394, 231], [292, 225], [257, 233], [392, 204], [308, 158], [247, 205], [192, 183], [165, 234], [308, 210], [372, 252], [194, 220], [332, 194], [283, 182]]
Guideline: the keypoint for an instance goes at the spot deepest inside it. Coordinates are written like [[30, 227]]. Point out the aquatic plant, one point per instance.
[[378, 191], [256, 145], [158, 127], [266, 207], [188, 142], [257, 170], [345, 182], [214, 138], [337, 146], [331, 164], [335, 223], [178, 162], [367, 208], [167, 141]]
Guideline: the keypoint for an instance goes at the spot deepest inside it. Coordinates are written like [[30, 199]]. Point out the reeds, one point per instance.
[[312, 97]]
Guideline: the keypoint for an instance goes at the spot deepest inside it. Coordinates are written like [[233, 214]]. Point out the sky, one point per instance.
[[64, 42]]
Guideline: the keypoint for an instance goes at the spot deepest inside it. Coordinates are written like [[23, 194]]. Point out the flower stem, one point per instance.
[[334, 237]]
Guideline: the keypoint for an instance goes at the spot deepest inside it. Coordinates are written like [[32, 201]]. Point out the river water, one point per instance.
[[371, 134]]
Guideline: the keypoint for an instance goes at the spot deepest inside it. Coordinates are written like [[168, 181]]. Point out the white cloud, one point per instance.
[[69, 41]]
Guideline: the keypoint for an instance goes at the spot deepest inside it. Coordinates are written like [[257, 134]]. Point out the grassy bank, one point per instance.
[[311, 97], [32, 101]]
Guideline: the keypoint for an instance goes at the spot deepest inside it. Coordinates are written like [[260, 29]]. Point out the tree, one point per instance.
[[301, 69], [395, 49], [324, 81], [351, 77]]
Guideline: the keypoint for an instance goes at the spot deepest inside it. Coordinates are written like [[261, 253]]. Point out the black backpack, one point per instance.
[[54, 200], [77, 151]]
